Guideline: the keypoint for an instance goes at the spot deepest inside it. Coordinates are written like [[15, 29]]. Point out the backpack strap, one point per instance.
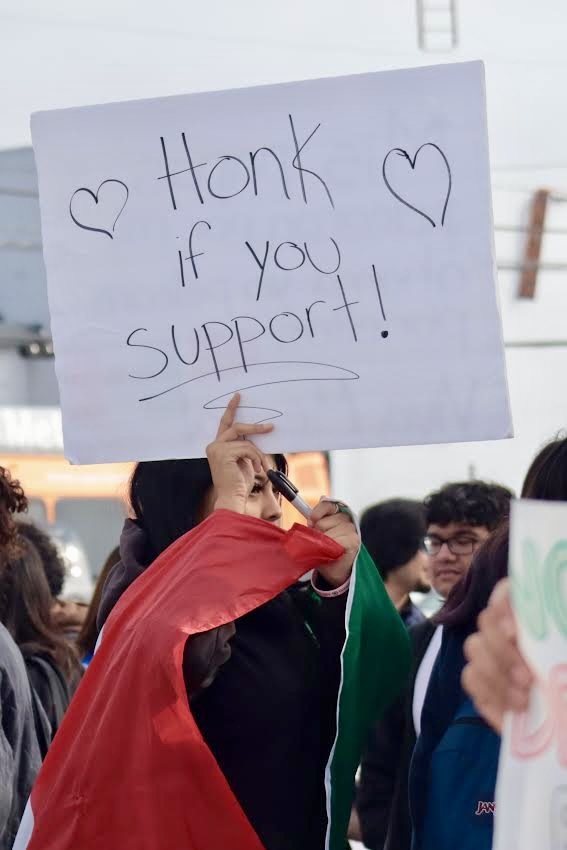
[[42, 725], [57, 686]]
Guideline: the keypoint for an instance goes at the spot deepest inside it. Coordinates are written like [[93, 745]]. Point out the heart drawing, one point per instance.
[[109, 201], [387, 166]]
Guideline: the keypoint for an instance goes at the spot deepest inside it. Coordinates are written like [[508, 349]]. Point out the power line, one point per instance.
[[526, 166], [547, 343]]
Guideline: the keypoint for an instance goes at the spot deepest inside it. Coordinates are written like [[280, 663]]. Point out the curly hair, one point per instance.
[[51, 560], [476, 503], [12, 501]]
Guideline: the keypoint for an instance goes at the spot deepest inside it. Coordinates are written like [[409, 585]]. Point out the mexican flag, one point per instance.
[[128, 769]]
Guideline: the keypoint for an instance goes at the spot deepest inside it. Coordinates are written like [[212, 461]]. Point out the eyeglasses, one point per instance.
[[457, 545]]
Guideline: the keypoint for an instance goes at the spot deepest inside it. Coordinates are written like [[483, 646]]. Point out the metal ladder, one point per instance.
[[437, 25]]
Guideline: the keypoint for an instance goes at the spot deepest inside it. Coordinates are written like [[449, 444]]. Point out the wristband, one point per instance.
[[329, 594]]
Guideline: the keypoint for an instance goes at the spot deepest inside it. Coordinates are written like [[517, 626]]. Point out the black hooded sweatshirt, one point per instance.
[[263, 692]]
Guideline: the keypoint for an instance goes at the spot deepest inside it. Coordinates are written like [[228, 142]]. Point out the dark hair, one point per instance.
[[393, 531], [12, 500], [47, 550], [25, 608], [87, 637], [475, 503], [167, 497], [547, 476]]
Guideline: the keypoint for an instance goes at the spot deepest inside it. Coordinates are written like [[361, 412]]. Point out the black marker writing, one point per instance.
[[245, 177], [300, 260], [280, 166], [330, 373], [181, 270], [296, 163], [346, 305], [213, 348], [150, 348], [308, 315], [261, 264], [241, 341], [192, 254], [325, 271], [114, 206], [176, 348], [169, 174], [286, 263], [384, 334], [287, 316], [405, 155], [233, 169]]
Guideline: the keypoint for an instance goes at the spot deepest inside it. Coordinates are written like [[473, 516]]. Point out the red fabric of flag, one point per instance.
[[128, 769]]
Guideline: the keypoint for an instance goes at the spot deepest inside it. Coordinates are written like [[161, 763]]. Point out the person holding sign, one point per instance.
[[497, 677], [227, 704]]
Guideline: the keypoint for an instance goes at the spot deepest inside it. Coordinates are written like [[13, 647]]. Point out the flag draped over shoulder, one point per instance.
[[128, 768]]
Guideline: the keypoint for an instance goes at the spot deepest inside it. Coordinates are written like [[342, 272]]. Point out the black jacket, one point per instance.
[[383, 797], [19, 752], [263, 693]]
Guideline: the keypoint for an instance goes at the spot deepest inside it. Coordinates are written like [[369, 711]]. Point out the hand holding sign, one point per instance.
[[235, 461], [497, 677], [533, 763]]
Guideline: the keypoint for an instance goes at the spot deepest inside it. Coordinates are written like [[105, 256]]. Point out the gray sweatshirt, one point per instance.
[[19, 751]]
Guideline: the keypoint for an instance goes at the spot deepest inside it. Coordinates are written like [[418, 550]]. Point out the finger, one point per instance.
[[487, 701], [244, 450], [492, 683], [242, 429], [335, 522], [495, 636], [483, 663], [323, 509], [501, 595], [220, 453], [228, 416]]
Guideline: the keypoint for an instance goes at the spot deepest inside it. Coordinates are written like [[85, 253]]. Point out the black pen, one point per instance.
[[289, 491]]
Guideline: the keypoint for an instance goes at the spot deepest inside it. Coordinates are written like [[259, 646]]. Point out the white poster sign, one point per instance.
[[531, 796], [325, 247]]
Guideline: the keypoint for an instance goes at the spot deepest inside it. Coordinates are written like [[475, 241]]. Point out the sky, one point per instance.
[[63, 53]]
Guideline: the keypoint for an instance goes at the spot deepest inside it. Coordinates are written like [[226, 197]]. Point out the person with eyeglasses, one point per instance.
[[459, 517]]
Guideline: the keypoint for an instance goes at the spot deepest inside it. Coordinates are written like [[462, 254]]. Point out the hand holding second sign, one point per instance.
[[235, 460]]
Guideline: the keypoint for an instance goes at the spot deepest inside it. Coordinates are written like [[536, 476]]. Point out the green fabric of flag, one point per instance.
[[375, 663]]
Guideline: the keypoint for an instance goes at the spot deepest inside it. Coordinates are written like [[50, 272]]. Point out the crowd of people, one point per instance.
[[263, 673]]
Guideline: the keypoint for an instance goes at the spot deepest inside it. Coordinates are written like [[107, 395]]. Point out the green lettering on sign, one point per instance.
[[554, 584], [527, 591]]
